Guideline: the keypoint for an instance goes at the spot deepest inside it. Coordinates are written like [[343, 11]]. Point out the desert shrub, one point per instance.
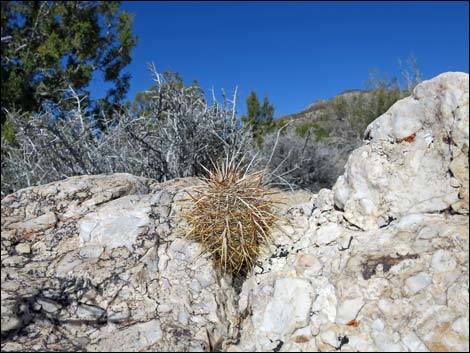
[[321, 129], [182, 133], [302, 162], [302, 130]]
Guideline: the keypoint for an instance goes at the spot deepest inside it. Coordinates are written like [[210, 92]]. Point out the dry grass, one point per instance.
[[231, 217]]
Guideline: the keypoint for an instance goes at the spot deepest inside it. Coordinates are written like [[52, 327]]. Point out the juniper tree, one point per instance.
[[48, 46], [259, 118]]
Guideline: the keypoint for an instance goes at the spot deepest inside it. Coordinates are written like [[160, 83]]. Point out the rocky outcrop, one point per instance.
[[328, 287], [109, 271], [415, 159], [379, 263]]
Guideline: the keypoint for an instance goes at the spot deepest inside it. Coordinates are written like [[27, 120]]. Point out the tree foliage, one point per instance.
[[48, 46], [259, 117]]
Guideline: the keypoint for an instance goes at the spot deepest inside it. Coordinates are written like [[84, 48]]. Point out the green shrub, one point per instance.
[[320, 130]]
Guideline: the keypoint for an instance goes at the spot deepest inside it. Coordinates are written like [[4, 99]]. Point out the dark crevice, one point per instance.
[[347, 247], [448, 211], [389, 220], [279, 346], [342, 341], [369, 267], [237, 282]]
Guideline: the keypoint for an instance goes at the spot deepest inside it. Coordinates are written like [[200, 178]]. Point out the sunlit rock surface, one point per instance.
[[415, 159]]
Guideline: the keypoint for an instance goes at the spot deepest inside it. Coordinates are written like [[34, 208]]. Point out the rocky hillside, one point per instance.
[[315, 111], [378, 263], [343, 117]]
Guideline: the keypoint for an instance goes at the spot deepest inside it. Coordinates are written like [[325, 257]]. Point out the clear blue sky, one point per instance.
[[294, 52]]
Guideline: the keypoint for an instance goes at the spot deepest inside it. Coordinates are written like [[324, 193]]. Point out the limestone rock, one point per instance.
[[117, 223], [416, 158], [37, 206], [116, 277], [390, 273], [289, 308], [23, 248]]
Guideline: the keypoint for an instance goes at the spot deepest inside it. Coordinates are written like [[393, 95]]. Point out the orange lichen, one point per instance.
[[408, 139], [353, 323]]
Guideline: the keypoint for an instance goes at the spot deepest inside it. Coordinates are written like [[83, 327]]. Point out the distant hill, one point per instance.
[[316, 110], [350, 109]]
